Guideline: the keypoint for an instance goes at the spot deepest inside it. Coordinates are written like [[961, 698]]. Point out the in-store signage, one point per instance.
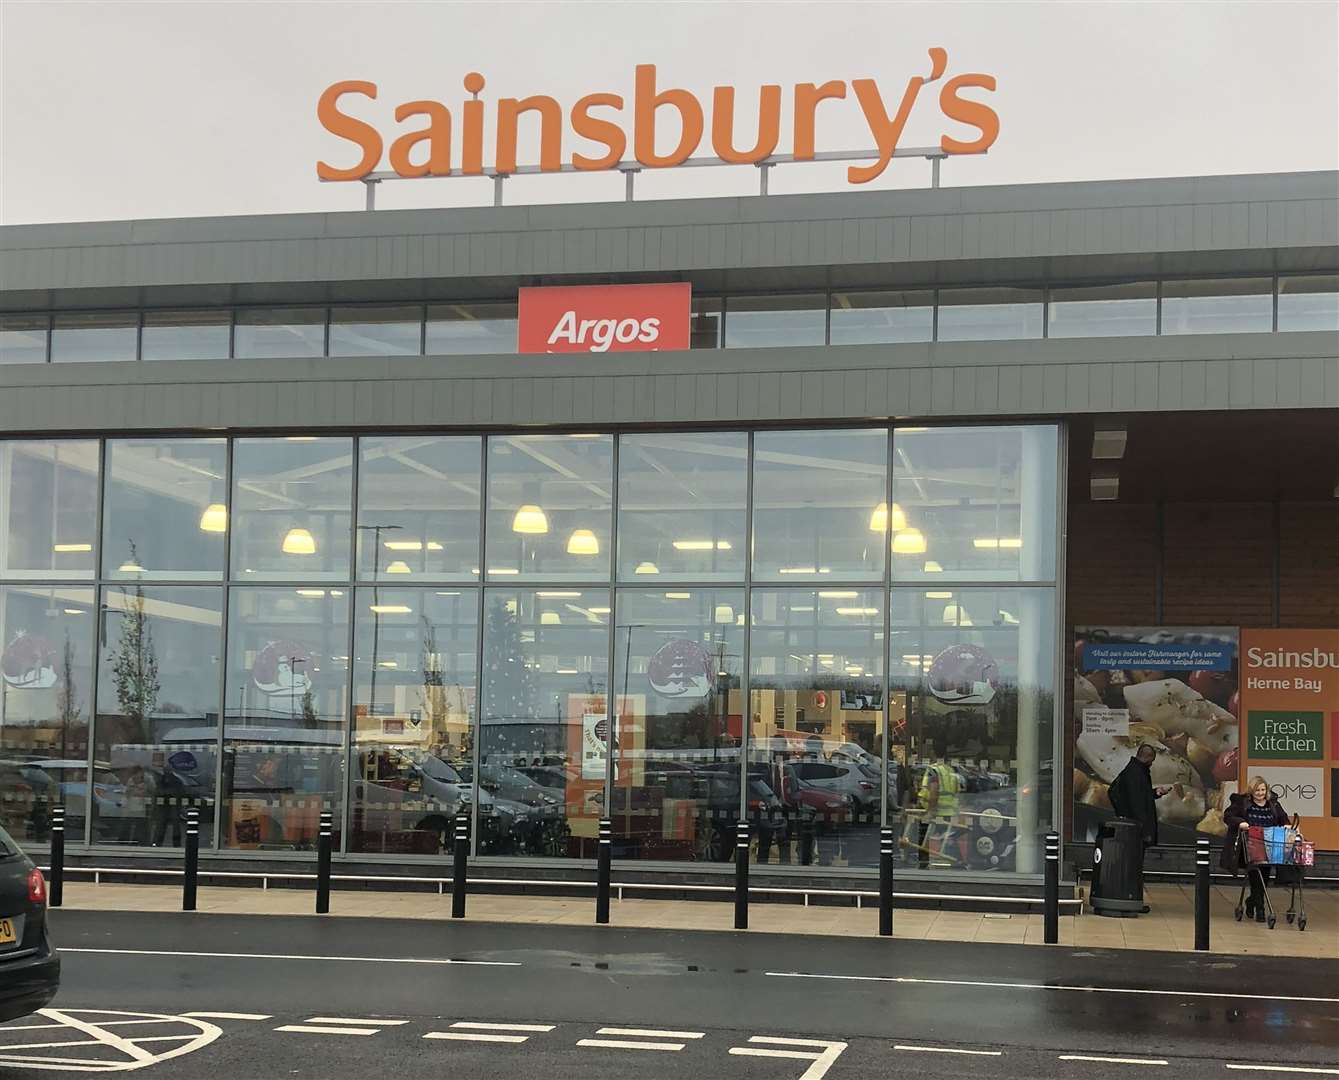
[[593, 135], [604, 318]]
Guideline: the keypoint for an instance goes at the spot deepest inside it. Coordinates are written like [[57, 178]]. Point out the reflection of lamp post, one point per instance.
[[293, 662], [376, 531]]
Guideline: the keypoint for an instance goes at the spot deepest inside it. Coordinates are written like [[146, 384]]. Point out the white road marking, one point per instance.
[[503, 1027], [284, 956], [477, 1036], [1285, 1069], [822, 1061], [1113, 1060], [1044, 986], [948, 1050], [319, 1029], [353, 1020], [98, 1038], [223, 1015], [626, 1044], [652, 1033]]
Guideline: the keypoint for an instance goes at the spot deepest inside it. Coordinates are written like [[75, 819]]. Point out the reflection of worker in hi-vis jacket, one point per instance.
[[939, 799]]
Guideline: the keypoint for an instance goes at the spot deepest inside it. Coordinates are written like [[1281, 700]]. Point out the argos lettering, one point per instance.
[[604, 318], [439, 146]]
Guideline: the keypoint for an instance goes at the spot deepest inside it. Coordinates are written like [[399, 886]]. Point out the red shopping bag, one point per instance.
[[1255, 845]]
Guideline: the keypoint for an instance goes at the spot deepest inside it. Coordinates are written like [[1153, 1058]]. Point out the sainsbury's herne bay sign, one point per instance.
[[604, 318], [431, 138]]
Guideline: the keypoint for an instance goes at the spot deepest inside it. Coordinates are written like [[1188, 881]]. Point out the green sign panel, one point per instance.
[[1285, 736]]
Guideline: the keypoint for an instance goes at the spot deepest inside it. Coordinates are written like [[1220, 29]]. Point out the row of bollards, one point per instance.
[[604, 863]]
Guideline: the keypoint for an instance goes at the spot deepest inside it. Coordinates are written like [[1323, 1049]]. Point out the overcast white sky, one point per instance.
[[132, 110]]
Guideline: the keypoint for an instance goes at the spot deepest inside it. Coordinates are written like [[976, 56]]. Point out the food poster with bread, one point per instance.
[[1290, 724], [1175, 689]]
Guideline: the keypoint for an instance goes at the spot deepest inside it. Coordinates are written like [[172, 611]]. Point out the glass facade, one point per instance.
[[839, 317], [814, 631]]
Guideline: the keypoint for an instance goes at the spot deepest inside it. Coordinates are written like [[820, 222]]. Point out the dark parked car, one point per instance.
[[29, 966]]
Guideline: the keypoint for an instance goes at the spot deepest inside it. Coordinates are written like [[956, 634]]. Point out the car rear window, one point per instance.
[[7, 845]]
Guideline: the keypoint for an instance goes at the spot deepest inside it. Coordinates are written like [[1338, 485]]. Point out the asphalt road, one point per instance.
[[305, 997]]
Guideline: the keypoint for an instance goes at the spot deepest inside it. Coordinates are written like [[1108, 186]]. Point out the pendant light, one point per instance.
[[878, 520], [909, 542], [214, 519], [299, 541], [530, 519], [583, 542]]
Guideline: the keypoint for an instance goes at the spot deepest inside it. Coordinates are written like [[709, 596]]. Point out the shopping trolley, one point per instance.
[[1284, 849]]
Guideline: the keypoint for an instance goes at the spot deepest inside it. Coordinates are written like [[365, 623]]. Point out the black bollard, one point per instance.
[[56, 886], [1202, 894], [323, 843], [886, 882], [605, 856], [742, 877], [192, 860], [1051, 897], [460, 866]]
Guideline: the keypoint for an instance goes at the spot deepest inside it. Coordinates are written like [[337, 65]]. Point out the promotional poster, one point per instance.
[[1290, 699], [1175, 689]]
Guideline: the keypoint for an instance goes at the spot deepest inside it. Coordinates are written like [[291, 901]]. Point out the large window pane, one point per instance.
[[155, 753], [1002, 314], [677, 662], [47, 492], [23, 340], [681, 509], [754, 322], [1123, 310], [415, 652], [545, 680], [1309, 302], [860, 318], [283, 751], [461, 329], [186, 335], [549, 506], [419, 508], [95, 336], [973, 728], [974, 503], [274, 332], [819, 504], [165, 512], [1218, 306], [815, 750], [292, 500], [46, 692], [376, 331]]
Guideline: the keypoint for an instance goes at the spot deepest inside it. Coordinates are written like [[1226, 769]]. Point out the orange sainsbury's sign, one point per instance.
[[600, 119]]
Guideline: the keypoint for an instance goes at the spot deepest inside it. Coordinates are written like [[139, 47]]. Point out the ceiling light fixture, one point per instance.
[[71, 549], [299, 541], [878, 521], [531, 520], [399, 566], [991, 543], [583, 542], [647, 568], [391, 609], [130, 566], [909, 542], [214, 519]]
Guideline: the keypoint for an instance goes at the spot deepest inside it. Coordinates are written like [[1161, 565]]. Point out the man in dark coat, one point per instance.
[[1133, 795]]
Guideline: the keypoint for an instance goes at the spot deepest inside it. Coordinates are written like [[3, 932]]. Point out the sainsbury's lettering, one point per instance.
[[1284, 658], [427, 150]]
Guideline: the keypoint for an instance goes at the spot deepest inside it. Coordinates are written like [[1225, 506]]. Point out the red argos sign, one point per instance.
[[604, 318]]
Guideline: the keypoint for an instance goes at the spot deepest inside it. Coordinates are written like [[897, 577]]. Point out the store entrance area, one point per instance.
[[1201, 545]]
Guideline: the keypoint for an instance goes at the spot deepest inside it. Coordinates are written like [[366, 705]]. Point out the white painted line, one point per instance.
[[284, 956], [1042, 986], [222, 1015], [93, 1031], [624, 1044], [822, 1061], [1285, 1069], [33, 1061], [651, 1033], [1113, 1060], [353, 1020], [503, 1027], [30, 1027], [316, 1029], [465, 1036], [948, 1050]]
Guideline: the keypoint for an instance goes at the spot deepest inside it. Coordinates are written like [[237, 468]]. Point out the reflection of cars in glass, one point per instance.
[[29, 966], [859, 782], [68, 785], [408, 799], [717, 795]]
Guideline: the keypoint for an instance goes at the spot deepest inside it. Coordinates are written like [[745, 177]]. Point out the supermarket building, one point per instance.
[[288, 523]]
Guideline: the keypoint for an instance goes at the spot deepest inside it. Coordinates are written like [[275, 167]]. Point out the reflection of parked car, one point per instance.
[[112, 812], [717, 794], [29, 966], [859, 782]]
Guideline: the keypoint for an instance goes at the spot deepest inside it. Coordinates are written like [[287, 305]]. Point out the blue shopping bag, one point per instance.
[[1278, 844]]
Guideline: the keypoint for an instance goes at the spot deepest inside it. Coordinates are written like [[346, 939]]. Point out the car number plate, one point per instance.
[[7, 934]]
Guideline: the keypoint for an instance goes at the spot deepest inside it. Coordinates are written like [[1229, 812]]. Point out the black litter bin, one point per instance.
[[1118, 870]]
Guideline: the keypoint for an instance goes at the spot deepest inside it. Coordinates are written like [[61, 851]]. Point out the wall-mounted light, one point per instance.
[[1109, 438], [214, 519]]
